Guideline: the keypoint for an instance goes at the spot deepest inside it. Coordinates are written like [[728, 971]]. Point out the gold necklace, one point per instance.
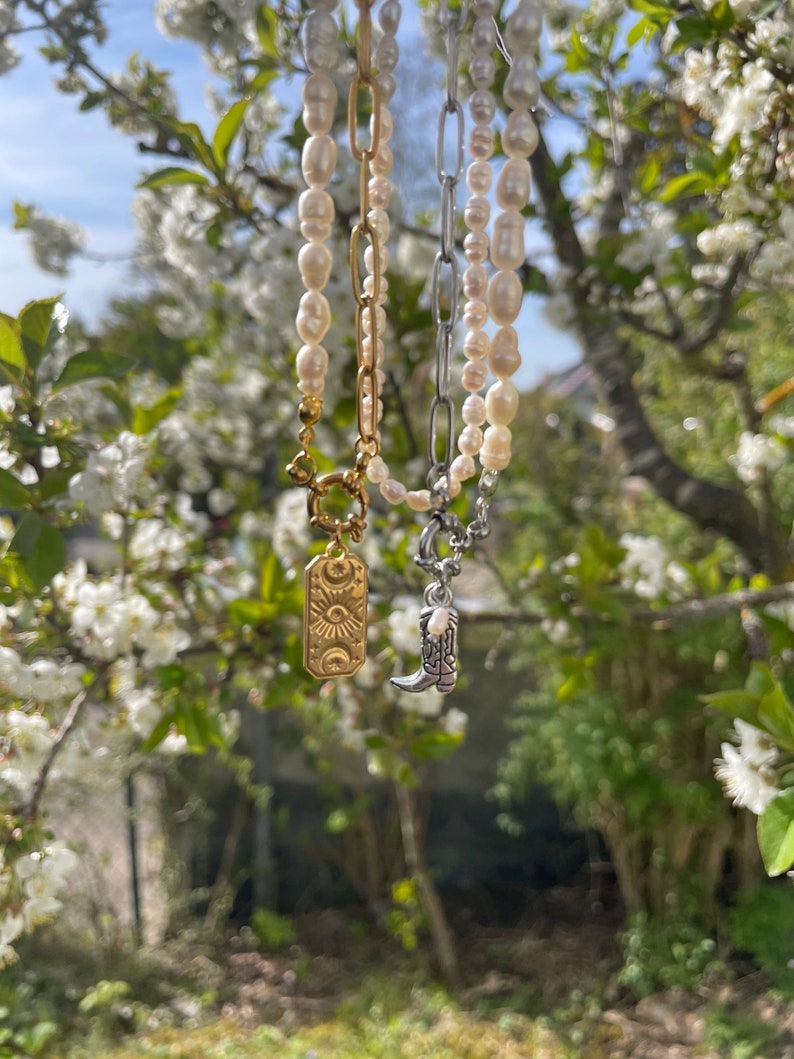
[[335, 613]]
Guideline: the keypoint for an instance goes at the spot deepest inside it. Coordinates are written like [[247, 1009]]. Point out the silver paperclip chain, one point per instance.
[[445, 281]]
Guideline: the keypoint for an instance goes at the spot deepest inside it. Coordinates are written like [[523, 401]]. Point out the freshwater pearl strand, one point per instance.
[[507, 253], [315, 205]]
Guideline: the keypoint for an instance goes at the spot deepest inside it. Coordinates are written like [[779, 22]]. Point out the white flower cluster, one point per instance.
[[757, 456], [113, 477], [735, 105], [651, 244], [43, 681], [775, 259], [747, 770], [646, 570], [729, 238], [111, 619], [223, 28], [28, 890], [54, 241]]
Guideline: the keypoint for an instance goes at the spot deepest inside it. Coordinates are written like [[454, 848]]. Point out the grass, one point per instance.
[[454, 1034]]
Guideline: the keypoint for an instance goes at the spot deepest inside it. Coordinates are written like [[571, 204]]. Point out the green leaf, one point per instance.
[[776, 716], [192, 139], [92, 364], [36, 327], [146, 419], [266, 28], [41, 549], [227, 129], [92, 100], [11, 353], [776, 833], [721, 15], [432, 746], [643, 28], [736, 703], [171, 175], [251, 612], [649, 175], [13, 493], [686, 184]]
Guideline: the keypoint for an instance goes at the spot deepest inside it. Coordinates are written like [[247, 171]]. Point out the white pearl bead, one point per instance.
[[366, 410], [504, 359], [321, 42], [449, 485], [481, 142], [473, 375], [379, 220], [319, 103], [377, 470], [476, 345], [484, 8], [522, 87], [462, 467], [507, 245], [477, 212], [501, 403], [383, 258], [386, 54], [438, 622], [314, 317], [393, 491], [381, 164], [377, 314], [475, 315], [386, 124], [378, 379], [505, 297], [316, 214], [318, 160], [482, 71], [383, 288], [482, 106], [483, 35], [473, 410], [475, 247], [312, 385], [419, 499], [495, 451], [469, 441], [389, 17], [524, 27], [475, 282], [311, 360], [366, 352], [520, 137], [478, 178], [387, 87], [315, 262], [512, 187], [323, 5], [379, 192]]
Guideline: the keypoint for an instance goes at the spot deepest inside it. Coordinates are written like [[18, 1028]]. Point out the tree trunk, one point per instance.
[[444, 947]]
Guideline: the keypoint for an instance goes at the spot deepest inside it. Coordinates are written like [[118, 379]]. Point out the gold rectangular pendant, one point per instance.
[[335, 616]]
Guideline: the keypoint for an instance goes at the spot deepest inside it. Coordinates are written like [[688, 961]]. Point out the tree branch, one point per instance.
[[31, 808], [690, 610]]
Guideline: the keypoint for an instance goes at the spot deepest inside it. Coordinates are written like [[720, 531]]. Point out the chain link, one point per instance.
[[445, 296]]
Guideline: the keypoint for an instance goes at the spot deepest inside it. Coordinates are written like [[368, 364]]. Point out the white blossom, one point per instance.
[[746, 771], [404, 628], [53, 240], [643, 568], [9, 58], [757, 455], [113, 475], [455, 721]]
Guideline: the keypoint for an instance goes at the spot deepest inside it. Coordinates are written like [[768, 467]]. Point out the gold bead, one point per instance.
[[310, 409]]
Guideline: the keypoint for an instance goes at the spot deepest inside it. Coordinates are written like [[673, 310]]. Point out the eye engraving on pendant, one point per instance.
[[335, 616]]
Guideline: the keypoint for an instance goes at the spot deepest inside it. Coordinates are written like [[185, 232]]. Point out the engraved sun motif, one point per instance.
[[335, 614]]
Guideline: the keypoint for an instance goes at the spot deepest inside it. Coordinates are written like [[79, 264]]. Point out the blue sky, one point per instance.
[[74, 165]]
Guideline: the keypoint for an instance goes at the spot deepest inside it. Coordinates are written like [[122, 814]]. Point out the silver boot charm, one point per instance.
[[439, 654]]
